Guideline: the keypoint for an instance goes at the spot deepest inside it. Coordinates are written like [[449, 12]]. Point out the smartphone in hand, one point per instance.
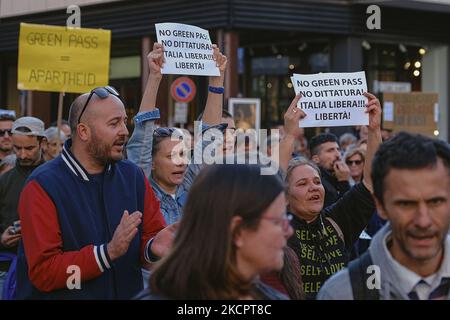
[[16, 229]]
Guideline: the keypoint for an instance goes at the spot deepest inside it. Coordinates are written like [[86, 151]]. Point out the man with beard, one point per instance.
[[6, 122], [325, 152], [89, 219], [27, 136], [411, 182]]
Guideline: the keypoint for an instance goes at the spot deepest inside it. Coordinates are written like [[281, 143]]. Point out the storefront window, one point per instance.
[[393, 63], [271, 68]]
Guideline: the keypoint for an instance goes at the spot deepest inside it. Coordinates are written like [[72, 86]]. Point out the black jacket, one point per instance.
[[11, 185], [323, 245], [334, 189]]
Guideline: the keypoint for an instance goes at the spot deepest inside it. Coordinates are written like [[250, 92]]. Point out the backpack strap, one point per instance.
[[337, 228], [357, 270]]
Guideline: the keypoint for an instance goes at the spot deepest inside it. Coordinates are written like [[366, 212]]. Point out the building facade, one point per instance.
[[265, 41]]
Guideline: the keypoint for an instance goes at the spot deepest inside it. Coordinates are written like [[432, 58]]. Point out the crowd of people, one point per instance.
[[87, 212]]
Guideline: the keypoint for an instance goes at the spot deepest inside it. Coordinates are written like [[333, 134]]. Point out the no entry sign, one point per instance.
[[183, 89]]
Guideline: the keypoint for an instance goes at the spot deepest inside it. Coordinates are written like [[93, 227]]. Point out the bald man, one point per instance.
[[89, 217]]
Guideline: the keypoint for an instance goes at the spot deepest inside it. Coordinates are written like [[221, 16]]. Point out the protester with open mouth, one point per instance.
[[326, 154], [411, 187], [323, 237], [88, 213], [158, 151]]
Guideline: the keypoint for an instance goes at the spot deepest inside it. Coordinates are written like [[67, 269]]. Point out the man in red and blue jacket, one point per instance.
[[88, 217]]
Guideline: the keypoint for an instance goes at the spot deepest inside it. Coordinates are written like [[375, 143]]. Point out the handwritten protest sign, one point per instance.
[[414, 112], [62, 59], [187, 50], [332, 99]]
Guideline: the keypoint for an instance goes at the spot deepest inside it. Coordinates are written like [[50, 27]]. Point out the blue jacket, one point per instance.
[[86, 209]]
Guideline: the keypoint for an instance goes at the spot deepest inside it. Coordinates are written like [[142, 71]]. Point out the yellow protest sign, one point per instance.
[[62, 59]]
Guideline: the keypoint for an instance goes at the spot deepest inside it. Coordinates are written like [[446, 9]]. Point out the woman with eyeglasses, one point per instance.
[[354, 158], [6, 145], [163, 158], [233, 229], [324, 237]]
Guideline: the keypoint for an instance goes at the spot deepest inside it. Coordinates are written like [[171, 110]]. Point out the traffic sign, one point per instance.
[[183, 89]]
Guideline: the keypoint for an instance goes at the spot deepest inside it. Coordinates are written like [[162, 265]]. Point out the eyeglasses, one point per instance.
[[4, 131], [351, 162], [163, 132], [285, 221], [167, 132], [102, 93]]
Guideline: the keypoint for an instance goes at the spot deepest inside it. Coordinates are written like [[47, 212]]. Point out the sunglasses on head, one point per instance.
[[351, 162], [163, 132], [166, 132], [102, 93], [4, 131]]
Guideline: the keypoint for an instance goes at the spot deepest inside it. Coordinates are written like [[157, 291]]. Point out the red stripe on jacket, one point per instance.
[[153, 220], [41, 236]]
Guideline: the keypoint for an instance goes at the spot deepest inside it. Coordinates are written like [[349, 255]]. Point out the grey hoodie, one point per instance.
[[338, 287]]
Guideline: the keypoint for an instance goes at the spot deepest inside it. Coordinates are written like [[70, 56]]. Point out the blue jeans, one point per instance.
[[145, 277], [3, 275]]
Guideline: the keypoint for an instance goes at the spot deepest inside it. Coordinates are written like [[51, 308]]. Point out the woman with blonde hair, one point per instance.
[[324, 236], [354, 158]]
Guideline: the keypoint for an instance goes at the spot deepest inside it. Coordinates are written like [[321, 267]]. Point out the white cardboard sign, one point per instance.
[[332, 99], [187, 50], [181, 112]]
